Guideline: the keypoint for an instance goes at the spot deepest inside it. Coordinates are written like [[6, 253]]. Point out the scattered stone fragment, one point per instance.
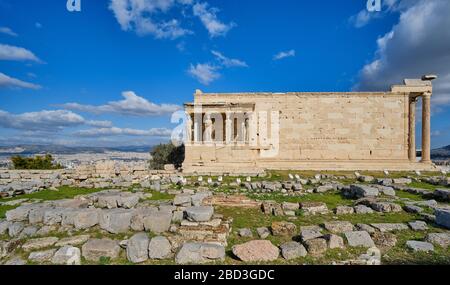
[[359, 238], [292, 250], [115, 220], [316, 246], [137, 248], [16, 261], [158, 222], [442, 194], [245, 233], [290, 206], [283, 228], [371, 257], [387, 227], [41, 256], [334, 241], [364, 227], [402, 180], [39, 243], [413, 209], [199, 214], [67, 255], [159, 248], [75, 240], [386, 207], [362, 191], [314, 208], [362, 209], [263, 232], [384, 240], [338, 226], [94, 249], [15, 229], [420, 246], [310, 232], [256, 251], [344, 210], [418, 226], [200, 253], [443, 217], [441, 239]]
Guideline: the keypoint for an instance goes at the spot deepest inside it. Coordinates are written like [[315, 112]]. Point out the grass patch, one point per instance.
[[157, 196], [331, 199], [50, 195], [4, 209]]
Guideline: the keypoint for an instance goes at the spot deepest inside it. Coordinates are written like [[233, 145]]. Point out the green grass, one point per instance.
[[50, 195], [157, 196], [4, 209], [331, 199]]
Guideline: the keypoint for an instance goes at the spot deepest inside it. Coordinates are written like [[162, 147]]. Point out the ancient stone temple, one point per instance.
[[250, 132]]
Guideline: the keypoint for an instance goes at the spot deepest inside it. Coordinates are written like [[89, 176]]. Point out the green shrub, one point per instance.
[[37, 162], [166, 154]]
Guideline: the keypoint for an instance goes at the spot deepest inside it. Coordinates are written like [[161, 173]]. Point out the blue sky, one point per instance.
[[108, 76]]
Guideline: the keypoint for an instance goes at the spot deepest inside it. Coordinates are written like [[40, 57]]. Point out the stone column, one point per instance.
[[426, 127], [228, 128], [412, 129]]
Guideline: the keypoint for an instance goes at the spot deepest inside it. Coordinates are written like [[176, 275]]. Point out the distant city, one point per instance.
[[70, 157]]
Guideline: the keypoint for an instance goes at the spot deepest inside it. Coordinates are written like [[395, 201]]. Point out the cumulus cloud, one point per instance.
[[8, 52], [114, 131], [284, 54], [144, 17], [7, 81], [419, 44], [132, 105], [228, 62], [205, 73], [8, 31], [365, 16], [208, 16]]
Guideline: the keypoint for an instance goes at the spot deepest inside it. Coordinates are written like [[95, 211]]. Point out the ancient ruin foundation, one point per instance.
[[251, 132]]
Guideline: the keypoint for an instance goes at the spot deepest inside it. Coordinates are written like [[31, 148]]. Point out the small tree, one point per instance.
[[38, 162], [166, 154]]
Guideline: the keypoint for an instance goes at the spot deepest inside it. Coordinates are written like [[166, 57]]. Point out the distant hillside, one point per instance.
[[58, 149], [441, 153]]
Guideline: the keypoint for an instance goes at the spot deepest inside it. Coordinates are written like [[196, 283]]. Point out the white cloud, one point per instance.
[[228, 62], [205, 73], [209, 19], [7, 81], [8, 31], [41, 121], [132, 105], [8, 52], [419, 44], [114, 131], [99, 124], [364, 16], [143, 17], [284, 54]]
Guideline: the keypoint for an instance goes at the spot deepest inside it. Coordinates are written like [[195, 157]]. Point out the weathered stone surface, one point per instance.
[[94, 249], [184, 200], [441, 239], [324, 188], [29, 231], [310, 232], [418, 226], [18, 214], [316, 246], [75, 240], [137, 248], [313, 208], [290, 206], [159, 248], [256, 251], [4, 225], [15, 261], [199, 214], [139, 215], [359, 238], [413, 209], [420, 246], [14, 229], [389, 227], [67, 255], [263, 232], [245, 233], [384, 240], [200, 253], [86, 218], [334, 241], [364, 227], [366, 178], [363, 191], [402, 180], [362, 209], [386, 207], [292, 250], [344, 210], [41, 256], [338, 227], [39, 243], [272, 208], [115, 220], [443, 217], [53, 216], [442, 194], [158, 222], [283, 228]]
